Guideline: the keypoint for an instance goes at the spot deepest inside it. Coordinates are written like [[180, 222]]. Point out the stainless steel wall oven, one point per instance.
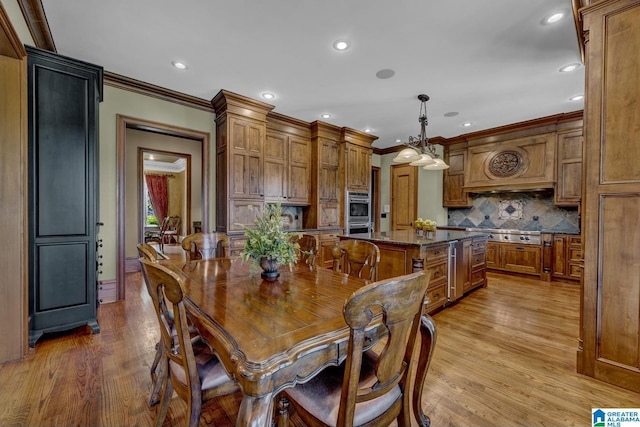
[[358, 212]]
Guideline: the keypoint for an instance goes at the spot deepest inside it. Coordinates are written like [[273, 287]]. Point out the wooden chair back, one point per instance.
[[371, 388], [147, 251], [185, 372], [206, 246], [357, 258], [308, 251]]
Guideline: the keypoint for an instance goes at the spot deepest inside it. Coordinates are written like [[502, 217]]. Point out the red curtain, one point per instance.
[[157, 186]]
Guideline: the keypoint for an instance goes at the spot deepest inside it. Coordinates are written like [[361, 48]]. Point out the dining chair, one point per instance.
[[308, 251], [357, 258], [206, 246], [194, 372], [146, 251], [371, 388], [171, 231]]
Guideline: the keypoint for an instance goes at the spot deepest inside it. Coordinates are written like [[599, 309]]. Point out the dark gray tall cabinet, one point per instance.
[[64, 95]]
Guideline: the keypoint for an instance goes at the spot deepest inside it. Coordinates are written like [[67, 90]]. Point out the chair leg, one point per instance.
[[283, 411], [158, 374], [194, 408], [164, 403]]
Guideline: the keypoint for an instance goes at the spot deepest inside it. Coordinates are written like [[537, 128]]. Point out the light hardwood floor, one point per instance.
[[505, 356]]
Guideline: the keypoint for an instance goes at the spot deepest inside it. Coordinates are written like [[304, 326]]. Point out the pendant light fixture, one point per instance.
[[419, 151]]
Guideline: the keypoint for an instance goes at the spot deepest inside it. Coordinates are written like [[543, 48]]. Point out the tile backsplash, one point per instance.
[[533, 211]]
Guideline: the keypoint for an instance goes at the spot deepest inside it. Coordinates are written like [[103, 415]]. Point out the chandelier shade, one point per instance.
[[437, 165], [406, 155], [419, 151]]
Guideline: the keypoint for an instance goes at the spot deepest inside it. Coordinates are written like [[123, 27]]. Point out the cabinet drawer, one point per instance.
[[478, 278], [575, 254], [436, 253], [575, 240], [107, 292], [478, 260], [333, 235], [435, 297], [478, 246], [438, 274]]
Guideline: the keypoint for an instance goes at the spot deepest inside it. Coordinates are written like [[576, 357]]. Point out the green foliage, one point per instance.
[[152, 220], [268, 238]]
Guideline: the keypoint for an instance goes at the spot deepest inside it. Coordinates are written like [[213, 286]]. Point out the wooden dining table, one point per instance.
[[269, 335]]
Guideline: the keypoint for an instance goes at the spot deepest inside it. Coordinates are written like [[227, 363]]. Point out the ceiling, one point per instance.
[[493, 62]]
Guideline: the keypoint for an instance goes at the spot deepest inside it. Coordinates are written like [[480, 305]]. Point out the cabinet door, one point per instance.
[[569, 168], [328, 215], [358, 168], [493, 255], [329, 179], [299, 170], [520, 258], [611, 293], [453, 181], [275, 161], [246, 163], [63, 193], [327, 242], [559, 260]]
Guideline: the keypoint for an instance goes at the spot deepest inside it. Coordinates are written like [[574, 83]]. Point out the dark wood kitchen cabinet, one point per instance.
[[357, 162], [566, 257], [454, 195], [287, 161], [609, 346], [514, 257], [568, 190], [64, 95]]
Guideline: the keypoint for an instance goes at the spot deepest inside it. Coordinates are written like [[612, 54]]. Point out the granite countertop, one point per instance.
[[409, 237]]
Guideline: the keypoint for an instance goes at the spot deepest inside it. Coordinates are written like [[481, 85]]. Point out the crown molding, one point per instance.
[[36, 20]]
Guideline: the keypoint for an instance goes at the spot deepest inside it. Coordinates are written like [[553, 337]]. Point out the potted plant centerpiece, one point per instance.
[[268, 245], [426, 227]]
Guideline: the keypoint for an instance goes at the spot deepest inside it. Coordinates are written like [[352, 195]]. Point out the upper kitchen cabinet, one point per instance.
[[240, 139], [358, 152], [538, 154], [569, 168], [287, 160], [326, 180], [609, 348], [64, 95], [453, 195]]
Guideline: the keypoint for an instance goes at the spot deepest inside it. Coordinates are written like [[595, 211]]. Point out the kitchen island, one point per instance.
[[456, 260]]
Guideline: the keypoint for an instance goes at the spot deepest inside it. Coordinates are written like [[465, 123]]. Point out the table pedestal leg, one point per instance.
[[255, 411]]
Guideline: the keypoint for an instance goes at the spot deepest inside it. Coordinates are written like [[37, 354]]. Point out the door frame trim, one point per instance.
[[122, 124]]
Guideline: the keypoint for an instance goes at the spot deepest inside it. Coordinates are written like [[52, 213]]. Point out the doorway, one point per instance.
[[174, 169], [127, 201]]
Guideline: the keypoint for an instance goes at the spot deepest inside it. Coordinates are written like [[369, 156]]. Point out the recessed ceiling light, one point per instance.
[[325, 115], [340, 45], [367, 130], [569, 67], [268, 95], [577, 98], [398, 141], [554, 17], [179, 65], [466, 124]]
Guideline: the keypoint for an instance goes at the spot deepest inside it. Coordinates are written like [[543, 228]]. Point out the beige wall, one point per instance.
[[153, 141], [118, 101]]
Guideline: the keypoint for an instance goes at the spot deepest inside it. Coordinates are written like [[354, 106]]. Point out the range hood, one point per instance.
[[511, 188]]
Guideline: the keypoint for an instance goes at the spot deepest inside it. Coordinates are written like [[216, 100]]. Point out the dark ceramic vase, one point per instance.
[[269, 268]]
